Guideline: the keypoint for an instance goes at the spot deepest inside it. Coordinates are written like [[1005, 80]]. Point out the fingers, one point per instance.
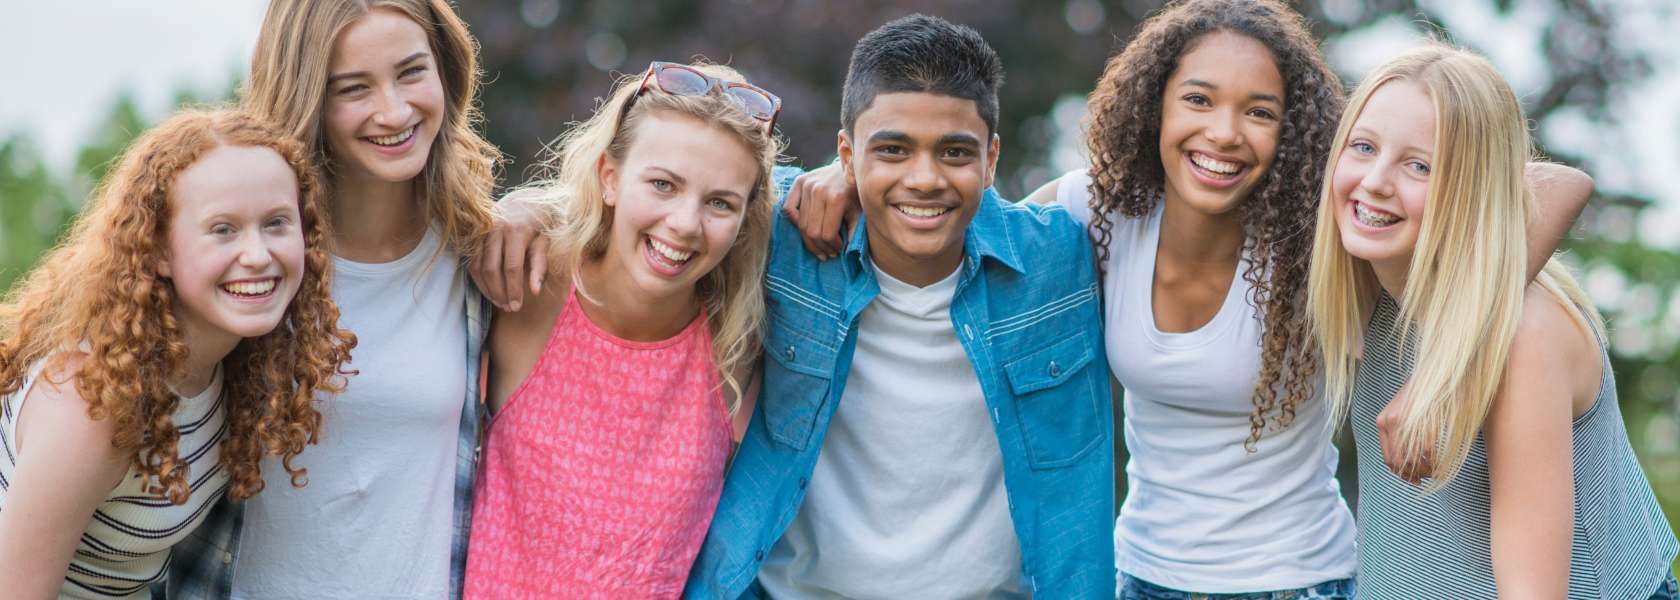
[[513, 267], [489, 272], [539, 267]]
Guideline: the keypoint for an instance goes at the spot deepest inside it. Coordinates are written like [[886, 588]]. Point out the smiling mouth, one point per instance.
[[394, 140], [671, 255], [1371, 217], [251, 288], [1215, 168], [921, 212]]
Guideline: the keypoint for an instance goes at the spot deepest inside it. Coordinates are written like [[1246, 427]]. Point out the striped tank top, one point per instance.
[[126, 546], [602, 470], [1439, 546]]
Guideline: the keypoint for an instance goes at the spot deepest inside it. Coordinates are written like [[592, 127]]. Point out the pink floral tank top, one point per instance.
[[602, 469]]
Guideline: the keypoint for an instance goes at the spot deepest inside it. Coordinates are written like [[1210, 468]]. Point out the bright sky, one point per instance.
[[66, 61]]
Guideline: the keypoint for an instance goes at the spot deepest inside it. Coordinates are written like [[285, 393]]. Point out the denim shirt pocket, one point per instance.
[[1056, 401], [796, 384]]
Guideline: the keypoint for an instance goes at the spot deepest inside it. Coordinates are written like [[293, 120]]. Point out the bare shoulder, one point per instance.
[[55, 418], [1552, 345]]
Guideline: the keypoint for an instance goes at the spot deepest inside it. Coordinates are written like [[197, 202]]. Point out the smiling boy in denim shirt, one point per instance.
[[934, 419]]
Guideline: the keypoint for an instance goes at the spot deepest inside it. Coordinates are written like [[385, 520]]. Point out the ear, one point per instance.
[[993, 150], [607, 170], [845, 152]]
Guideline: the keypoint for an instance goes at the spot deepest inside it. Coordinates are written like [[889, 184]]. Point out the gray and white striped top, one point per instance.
[[1438, 546], [126, 546]]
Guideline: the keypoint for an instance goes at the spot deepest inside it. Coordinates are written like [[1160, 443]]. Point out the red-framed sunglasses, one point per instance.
[[683, 80]]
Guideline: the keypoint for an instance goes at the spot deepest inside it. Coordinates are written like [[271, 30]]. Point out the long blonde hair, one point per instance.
[[1464, 287], [288, 85], [733, 292]]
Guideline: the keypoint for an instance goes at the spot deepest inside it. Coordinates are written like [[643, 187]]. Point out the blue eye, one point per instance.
[[1418, 167], [720, 204], [1362, 147], [662, 186]]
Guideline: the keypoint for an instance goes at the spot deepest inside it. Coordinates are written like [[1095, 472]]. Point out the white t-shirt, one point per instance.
[[1201, 513], [907, 498], [375, 520]]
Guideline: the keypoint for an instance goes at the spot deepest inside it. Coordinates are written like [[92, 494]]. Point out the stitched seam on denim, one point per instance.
[[1065, 304], [1052, 305], [802, 297]]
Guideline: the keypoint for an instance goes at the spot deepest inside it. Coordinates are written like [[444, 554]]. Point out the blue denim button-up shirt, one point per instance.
[[1028, 315]]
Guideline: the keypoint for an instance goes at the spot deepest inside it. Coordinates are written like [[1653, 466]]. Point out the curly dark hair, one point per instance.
[[1278, 216]]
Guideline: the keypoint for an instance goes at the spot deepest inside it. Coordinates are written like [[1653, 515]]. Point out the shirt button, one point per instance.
[[1055, 369], [967, 333], [802, 483], [759, 556], [789, 354]]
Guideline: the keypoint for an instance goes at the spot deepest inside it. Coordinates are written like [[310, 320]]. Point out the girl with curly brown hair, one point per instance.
[[176, 338], [1207, 136]]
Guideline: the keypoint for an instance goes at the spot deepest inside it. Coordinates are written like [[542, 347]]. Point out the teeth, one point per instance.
[[668, 252], [917, 211], [1217, 166], [250, 288], [1371, 217], [392, 140]]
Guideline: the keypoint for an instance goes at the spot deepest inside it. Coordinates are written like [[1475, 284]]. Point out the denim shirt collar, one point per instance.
[[986, 237]]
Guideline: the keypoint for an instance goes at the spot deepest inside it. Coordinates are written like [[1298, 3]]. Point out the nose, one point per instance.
[[254, 253], [1377, 181], [684, 218], [392, 109], [1222, 129], [923, 175]]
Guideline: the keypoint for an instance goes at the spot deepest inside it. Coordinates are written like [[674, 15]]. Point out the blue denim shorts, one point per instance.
[[1669, 590], [1132, 588]]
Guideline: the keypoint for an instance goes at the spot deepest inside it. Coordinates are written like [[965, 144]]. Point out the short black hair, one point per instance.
[[919, 53]]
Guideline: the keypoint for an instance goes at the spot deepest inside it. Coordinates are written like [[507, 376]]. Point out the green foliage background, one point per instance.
[[548, 61]]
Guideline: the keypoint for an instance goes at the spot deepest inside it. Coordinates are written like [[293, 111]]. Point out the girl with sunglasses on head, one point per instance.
[[382, 94], [616, 392], [153, 360], [1418, 275]]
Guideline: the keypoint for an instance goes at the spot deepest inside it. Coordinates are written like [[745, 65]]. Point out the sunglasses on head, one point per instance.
[[683, 80]]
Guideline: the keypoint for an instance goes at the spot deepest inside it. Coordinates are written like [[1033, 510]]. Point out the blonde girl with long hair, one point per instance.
[[616, 392], [382, 93], [1418, 274], [177, 337]]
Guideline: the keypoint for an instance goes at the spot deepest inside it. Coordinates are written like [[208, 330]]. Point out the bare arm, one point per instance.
[[1530, 462], [65, 468], [753, 376], [1046, 194], [509, 259], [1560, 192]]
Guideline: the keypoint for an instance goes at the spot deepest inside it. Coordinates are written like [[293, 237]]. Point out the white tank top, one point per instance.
[[1201, 513], [126, 546]]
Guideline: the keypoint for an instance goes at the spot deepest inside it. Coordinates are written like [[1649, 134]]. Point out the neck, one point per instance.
[[375, 220], [1391, 275], [615, 306], [919, 272], [206, 347], [1194, 236]]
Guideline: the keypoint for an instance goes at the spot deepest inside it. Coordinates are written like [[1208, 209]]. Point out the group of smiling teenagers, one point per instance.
[[253, 368]]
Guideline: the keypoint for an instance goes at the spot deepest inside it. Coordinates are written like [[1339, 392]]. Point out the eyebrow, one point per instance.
[[949, 139], [353, 74], [1209, 85]]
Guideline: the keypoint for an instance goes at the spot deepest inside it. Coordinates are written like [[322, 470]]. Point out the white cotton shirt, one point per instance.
[[375, 520], [907, 497], [1201, 513]]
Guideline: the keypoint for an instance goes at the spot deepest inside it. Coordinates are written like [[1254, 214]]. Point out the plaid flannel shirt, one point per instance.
[[201, 567]]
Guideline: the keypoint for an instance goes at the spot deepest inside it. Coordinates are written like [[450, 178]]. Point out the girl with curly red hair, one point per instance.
[[178, 336]]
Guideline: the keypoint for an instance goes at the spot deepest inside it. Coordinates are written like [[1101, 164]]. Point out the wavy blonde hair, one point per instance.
[[288, 85], [733, 292], [101, 287], [1464, 288]]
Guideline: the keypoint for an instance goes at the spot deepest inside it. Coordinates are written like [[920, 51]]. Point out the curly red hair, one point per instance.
[[1123, 133], [99, 290]]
